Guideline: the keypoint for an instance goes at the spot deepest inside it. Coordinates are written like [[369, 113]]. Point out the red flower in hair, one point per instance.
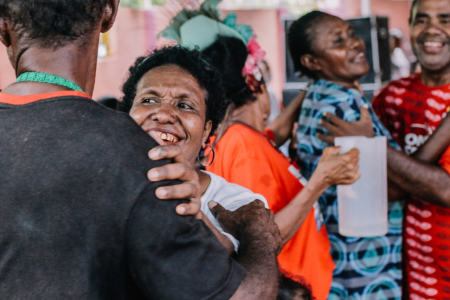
[[251, 72]]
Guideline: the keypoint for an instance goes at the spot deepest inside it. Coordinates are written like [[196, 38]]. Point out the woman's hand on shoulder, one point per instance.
[[337, 169], [181, 170], [338, 127]]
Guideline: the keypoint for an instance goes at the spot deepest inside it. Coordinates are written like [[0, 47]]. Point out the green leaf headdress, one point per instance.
[[200, 28]]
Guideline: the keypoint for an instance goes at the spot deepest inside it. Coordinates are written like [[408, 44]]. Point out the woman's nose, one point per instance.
[[357, 43], [164, 114]]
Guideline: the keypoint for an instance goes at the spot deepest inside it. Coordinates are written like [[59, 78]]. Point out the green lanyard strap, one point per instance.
[[48, 78]]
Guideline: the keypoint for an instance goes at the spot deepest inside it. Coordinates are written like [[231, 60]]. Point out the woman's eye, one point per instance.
[[339, 41], [185, 106], [148, 100]]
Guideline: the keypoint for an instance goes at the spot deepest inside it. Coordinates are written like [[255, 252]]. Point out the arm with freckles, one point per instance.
[[332, 169]]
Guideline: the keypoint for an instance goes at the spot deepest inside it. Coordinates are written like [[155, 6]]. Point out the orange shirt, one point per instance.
[[20, 100], [246, 157]]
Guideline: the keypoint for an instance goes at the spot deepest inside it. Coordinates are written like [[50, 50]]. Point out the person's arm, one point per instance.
[[409, 176], [428, 182], [333, 169], [290, 214], [432, 150], [225, 241], [282, 125], [260, 242], [178, 257]]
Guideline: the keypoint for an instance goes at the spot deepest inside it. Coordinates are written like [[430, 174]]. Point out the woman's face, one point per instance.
[[170, 106], [339, 54]]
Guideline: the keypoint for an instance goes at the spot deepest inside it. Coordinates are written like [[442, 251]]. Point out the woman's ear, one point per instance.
[[310, 62], [206, 132]]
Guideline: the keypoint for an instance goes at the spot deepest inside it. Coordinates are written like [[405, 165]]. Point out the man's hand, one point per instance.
[[181, 170], [252, 222], [338, 127]]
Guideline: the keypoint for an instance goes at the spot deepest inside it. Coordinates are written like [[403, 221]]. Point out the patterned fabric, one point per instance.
[[412, 111], [366, 268]]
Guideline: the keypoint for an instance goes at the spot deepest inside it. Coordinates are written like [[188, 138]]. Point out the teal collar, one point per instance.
[[48, 78]]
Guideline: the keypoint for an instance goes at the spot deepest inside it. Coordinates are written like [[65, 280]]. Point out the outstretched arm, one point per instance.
[[408, 175], [333, 169]]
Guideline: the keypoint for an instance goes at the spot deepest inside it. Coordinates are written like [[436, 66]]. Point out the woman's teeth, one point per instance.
[[167, 137]]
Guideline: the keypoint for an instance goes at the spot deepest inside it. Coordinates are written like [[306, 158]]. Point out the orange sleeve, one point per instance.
[[255, 174], [444, 162]]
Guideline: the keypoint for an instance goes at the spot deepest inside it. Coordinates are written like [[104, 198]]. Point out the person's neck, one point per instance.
[[76, 61], [205, 181], [435, 79], [249, 114]]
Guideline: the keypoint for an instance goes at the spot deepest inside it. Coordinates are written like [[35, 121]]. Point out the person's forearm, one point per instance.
[[282, 125], [427, 182], [395, 192], [261, 277], [432, 150], [291, 217]]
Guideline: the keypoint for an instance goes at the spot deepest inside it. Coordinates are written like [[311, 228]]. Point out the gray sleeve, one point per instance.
[[177, 257]]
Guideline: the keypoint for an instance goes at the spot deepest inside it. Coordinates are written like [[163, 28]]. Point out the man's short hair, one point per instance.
[[411, 12], [52, 23]]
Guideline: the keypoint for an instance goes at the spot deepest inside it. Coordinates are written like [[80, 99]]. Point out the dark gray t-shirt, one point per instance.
[[80, 220]]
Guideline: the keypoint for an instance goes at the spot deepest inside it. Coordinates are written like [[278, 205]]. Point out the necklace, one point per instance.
[[48, 78]]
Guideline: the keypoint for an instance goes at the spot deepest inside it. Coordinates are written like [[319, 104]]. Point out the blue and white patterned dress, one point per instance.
[[366, 268]]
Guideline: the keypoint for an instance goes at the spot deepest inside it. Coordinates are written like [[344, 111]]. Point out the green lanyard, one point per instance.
[[48, 78]]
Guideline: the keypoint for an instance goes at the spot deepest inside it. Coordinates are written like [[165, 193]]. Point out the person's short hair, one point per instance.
[[52, 23], [300, 39], [191, 61], [228, 56], [293, 289], [415, 2]]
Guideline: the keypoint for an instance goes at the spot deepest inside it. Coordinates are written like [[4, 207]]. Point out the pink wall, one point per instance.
[[134, 33]]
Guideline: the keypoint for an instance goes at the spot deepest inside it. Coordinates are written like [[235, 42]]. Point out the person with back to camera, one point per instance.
[[80, 220], [176, 97], [326, 49]]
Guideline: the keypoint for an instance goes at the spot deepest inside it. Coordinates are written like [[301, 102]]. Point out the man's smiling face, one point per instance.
[[430, 34]]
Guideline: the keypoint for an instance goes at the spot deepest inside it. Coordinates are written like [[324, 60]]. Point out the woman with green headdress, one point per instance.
[[245, 153]]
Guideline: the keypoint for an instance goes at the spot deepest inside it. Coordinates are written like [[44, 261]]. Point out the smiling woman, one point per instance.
[[325, 48], [177, 98]]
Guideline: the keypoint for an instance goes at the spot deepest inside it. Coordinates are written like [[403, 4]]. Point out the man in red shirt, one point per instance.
[[411, 109]]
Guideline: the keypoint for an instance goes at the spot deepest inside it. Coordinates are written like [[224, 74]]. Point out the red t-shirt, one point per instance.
[[411, 111], [247, 157]]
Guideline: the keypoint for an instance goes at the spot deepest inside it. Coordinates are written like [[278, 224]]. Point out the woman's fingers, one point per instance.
[[329, 139], [332, 128], [166, 151]]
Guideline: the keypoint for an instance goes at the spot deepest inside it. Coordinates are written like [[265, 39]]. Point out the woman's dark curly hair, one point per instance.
[[300, 39], [228, 56], [52, 23], [191, 61]]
